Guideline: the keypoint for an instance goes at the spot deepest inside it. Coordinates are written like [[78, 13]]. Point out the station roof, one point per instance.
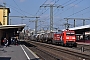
[[81, 29], [19, 26]]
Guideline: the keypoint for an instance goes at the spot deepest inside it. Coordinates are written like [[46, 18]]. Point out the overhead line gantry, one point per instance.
[[51, 13], [22, 16], [77, 19], [28, 17]]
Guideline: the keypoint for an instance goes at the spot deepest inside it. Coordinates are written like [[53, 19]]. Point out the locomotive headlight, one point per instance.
[[73, 37], [67, 37]]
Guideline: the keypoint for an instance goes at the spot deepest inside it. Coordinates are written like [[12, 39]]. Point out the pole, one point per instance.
[[36, 25], [10, 21], [83, 22], [74, 23], [51, 17], [82, 49], [67, 21], [51, 13]]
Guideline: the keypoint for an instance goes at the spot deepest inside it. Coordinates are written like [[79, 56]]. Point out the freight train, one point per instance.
[[64, 38]]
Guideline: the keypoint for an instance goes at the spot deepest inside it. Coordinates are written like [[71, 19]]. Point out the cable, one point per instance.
[[84, 13], [79, 11], [48, 8], [68, 4], [18, 7], [44, 12], [70, 7], [39, 8], [16, 10], [62, 5], [73, 2]]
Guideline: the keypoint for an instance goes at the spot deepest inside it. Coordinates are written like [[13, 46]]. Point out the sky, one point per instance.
[[31, 8]]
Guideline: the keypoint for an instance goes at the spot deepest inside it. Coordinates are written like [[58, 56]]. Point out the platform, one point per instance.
[[20, 52]]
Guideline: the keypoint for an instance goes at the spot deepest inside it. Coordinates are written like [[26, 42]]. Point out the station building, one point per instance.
[[6, 30], [82, 33]]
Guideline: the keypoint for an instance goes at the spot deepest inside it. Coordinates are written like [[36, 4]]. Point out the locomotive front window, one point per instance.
[[70, 33]]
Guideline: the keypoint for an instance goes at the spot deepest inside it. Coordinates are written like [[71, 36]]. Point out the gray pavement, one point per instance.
[[19, 52]]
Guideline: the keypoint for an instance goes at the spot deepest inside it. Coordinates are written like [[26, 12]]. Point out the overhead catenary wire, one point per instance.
[[69, 7], [79, 11], [17, 9], [51, 13], [62, 5], [12, 8], [45, 10], [53, 4], [65, 6], [47, 17], [76, 3], [39, 8], [48, 8], [84, 13], [71, 3]]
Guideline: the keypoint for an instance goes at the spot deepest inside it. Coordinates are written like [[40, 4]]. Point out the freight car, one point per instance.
[[33, 37], [46, 37]]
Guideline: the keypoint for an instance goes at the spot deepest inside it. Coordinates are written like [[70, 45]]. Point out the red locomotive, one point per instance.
[[65, 38]]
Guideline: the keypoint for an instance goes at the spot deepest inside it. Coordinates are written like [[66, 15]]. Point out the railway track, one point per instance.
[[86, 47], [60, 53], [52, 52], [44, 55]]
